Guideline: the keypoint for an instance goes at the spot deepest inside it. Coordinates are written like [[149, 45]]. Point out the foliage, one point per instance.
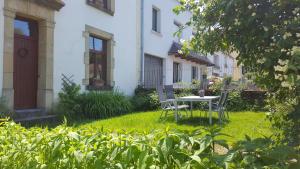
[[216, 87], [263, 34], [103, 104], [145, 99], [262, 153], [74, 104], [238, 99], [65, 148], [281, 115], [69, 102]]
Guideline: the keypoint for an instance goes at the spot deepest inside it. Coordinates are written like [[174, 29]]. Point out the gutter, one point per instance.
[[142, 78]]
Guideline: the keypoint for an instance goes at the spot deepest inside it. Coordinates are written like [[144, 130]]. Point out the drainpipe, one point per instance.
[[142, 43]]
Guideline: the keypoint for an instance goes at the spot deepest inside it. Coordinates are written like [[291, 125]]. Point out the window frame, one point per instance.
[[109, 9], [157, 27], [178, 78], [195, 73], [109, 49], [94, 53]]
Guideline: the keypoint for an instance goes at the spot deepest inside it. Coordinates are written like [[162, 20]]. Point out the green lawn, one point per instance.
[[253, 124]]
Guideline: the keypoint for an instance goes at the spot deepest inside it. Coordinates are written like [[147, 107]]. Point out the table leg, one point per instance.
[[210, 114], [191, 109], [176, 112]]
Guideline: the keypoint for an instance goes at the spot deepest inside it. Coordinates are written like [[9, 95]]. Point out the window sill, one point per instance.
[[104, 88], [156, 33], [108, 11]]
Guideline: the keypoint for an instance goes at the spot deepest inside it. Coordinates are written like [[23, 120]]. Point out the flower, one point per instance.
[[253, 14], [249, 6], [283, 62], [286, 35], [261, 61], [286, 85], [237, 22]]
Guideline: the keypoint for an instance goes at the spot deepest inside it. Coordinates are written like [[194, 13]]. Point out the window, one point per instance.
[[155, 20], [179, 27], [195, 73], [216, 60], [25, 27], [225, 62], [104, 5], [177, 72], [97, 63]]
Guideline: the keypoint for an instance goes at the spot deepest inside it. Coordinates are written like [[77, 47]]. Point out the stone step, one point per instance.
[[36, 118], [28, 113]]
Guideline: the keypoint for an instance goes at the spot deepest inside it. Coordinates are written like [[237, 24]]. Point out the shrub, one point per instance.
[[145, 99], [74, 104], [239, 98], [235, 102], [68, 148], [103, 104]]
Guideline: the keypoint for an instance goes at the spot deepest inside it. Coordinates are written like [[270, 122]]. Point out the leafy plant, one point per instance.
[[69, 102], [262, 153], [67, 148], [145, 99], [103, 104], [264, 35]]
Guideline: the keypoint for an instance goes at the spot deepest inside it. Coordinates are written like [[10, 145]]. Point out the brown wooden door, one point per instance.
[[25, 64]]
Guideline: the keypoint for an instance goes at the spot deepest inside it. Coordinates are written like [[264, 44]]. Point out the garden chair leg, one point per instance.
[[220, 116], [161, 114], [186, 112], [227, 115], [166, 114]]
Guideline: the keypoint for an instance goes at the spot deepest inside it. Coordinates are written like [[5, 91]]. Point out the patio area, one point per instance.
[[253, 124]]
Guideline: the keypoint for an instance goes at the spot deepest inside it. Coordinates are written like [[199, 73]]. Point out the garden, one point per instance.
[[110, 130]]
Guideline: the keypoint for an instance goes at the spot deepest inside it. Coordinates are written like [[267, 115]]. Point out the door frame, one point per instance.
[[44, 14], [34, 37]]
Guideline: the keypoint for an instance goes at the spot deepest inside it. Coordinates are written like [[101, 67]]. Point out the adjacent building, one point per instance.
[[161, 62], [100, 44], [223, 65]]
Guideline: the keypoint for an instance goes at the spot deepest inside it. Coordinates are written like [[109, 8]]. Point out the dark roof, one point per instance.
[[192, 56]]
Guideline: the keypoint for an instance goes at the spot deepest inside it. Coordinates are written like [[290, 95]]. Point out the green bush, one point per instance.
[[69, 102], [145, 99], [74, 104], [103, 104], [68, 148]]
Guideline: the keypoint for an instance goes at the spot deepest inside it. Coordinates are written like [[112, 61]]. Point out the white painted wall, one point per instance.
[[1, 43], [158, 44], [69, 43], [186, 70]]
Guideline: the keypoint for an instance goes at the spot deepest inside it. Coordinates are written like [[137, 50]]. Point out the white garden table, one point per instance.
[[192, 99]]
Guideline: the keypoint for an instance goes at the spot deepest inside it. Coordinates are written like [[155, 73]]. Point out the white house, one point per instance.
[[94, 41], [161, 62], [101, 44]]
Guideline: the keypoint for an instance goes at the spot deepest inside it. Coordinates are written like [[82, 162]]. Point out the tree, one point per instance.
[[266, 36]]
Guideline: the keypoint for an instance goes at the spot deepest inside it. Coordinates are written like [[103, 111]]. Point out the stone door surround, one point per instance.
[[43, 12]]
